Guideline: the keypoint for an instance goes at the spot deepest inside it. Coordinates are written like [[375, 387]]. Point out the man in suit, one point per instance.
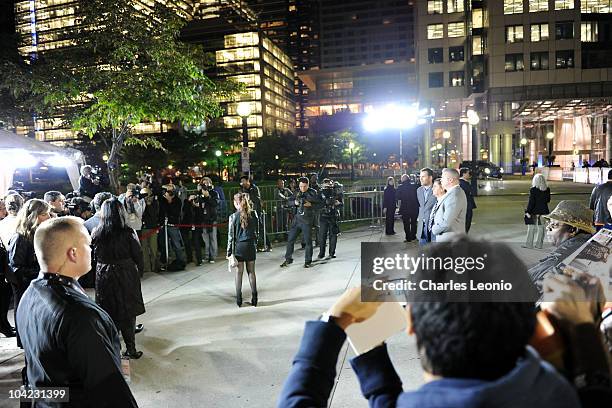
[[408, 207], [427, 201], [464, 181], [448, 215]]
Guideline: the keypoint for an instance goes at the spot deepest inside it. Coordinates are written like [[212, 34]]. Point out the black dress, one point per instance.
[[242, 242]]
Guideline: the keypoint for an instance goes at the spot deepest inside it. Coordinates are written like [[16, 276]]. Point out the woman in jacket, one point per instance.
[[389, 206], [539, 197], [242, 243], [22, 258], [119, 262]]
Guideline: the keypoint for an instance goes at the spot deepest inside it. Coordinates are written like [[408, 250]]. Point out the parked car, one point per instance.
[[485, 169]]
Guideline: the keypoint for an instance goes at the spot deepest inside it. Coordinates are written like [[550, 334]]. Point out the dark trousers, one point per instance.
[[18, 291], [127, 327], [5, 301], [186, 236], [468, 220], [197, 241], [328, 226], [305, 228], [410, 226], [390, 221], [316, 226]]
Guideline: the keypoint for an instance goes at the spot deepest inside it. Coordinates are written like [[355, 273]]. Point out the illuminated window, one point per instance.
[[455, 54], [477, 45], [477, 18], [564, 30], [589, 31], [435, 6], [564, 4], [564, 59], [456, 78], [514, 34], [436, 79], [435, 55], [538, 5], [595, 6], [514, 62], [456, 29], [539, 32], [513, 6], [435, 31], [539, 61], [454, 6]]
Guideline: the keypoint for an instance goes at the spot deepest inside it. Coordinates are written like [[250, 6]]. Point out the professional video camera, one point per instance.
[[330, 192], [75, 204], [18, 187]]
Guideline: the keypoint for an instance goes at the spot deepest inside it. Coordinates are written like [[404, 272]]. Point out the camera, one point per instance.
[[329, 193]]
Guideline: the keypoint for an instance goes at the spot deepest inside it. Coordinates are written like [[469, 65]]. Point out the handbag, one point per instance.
[[232, 264], [529, 220]]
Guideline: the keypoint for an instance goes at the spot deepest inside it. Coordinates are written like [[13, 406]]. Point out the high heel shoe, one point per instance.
[[133, 354], [254, 299], [239, 300]]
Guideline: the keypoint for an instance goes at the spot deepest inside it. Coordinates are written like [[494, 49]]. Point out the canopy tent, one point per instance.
[[23, 152]]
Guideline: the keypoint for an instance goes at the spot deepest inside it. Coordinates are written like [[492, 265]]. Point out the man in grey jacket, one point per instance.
[[427, 201], [448, 215]]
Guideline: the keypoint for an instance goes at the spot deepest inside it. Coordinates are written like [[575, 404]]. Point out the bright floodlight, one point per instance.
[[244, 109], [393, 117], [21, 159], [550, 135], [218, 153], [446, 134], [59, 161], [472, 117]]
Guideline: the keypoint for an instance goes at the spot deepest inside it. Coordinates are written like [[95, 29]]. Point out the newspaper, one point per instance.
[[593, 258]]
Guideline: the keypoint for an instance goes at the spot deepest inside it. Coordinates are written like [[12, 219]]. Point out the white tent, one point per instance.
[[19, 152]]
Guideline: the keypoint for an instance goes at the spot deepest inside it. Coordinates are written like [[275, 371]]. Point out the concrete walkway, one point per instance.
[[201, 350]]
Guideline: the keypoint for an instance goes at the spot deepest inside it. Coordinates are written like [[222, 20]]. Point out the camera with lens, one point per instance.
[[330, 193]]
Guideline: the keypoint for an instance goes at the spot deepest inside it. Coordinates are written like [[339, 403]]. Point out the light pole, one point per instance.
[[446, 135], [218, 154], [550, 136], [438, 148], [473, 119], [523, 164], [244, 110], [351, 147]]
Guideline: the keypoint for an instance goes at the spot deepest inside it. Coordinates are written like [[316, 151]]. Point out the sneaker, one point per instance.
[[286, 263], [211, 261], [308, 264], [320, 256], [331, 256]]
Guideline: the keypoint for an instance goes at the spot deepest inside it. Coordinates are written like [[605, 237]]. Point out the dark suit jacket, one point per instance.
[[407, 194], [465, 186]]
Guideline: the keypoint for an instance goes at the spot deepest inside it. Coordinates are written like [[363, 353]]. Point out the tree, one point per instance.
[[333, 148], [127, 66]]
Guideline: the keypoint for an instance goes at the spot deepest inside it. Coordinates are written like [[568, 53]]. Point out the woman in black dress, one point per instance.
[[539, 197], [119, 263], [389, 206], [242, 243], [23, 264]]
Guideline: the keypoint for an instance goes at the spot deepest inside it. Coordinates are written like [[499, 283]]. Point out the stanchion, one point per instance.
[[166, 240], [265, 236], [373, 223]]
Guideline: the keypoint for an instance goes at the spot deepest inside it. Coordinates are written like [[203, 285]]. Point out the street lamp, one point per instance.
[[446, 135], [351, 147], [523, 164], [550, 136], [244, 110], [397, 117], [473, 119], [218, 154]]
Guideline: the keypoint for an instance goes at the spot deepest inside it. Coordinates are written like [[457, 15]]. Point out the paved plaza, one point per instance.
[[201, 350]]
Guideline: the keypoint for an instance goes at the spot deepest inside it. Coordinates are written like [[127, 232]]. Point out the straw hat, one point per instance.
[[573, 213]]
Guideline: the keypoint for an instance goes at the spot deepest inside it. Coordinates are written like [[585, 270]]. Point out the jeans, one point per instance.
[[305, 228], [176, 243], [210, 241], [531, 230]]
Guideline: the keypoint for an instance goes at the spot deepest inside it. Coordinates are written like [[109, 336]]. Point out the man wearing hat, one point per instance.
[[569, 227]]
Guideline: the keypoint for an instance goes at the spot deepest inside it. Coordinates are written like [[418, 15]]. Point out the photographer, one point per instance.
[[314, 184], [206, 214], [255, 196], [57, 202], [473, 354], [281, 195], [305, 202], [134, 204], [150, 228], [170, 209], [89, 184], [331, 196]]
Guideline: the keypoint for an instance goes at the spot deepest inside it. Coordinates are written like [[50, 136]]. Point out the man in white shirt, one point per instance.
[[448, 215]]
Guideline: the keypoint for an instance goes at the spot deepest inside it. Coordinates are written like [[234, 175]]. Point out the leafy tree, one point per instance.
[[126, 67]]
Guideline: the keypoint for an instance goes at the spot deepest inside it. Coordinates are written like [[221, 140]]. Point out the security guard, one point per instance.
[[306, 201], [331, 199]]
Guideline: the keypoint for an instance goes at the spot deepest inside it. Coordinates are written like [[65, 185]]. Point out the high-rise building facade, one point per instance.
[[531, 69]]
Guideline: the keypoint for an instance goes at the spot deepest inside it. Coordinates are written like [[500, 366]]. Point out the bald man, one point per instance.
[[68, 340], [447, 218]]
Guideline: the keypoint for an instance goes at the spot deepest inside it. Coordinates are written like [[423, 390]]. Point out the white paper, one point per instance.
[[389, 319]]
